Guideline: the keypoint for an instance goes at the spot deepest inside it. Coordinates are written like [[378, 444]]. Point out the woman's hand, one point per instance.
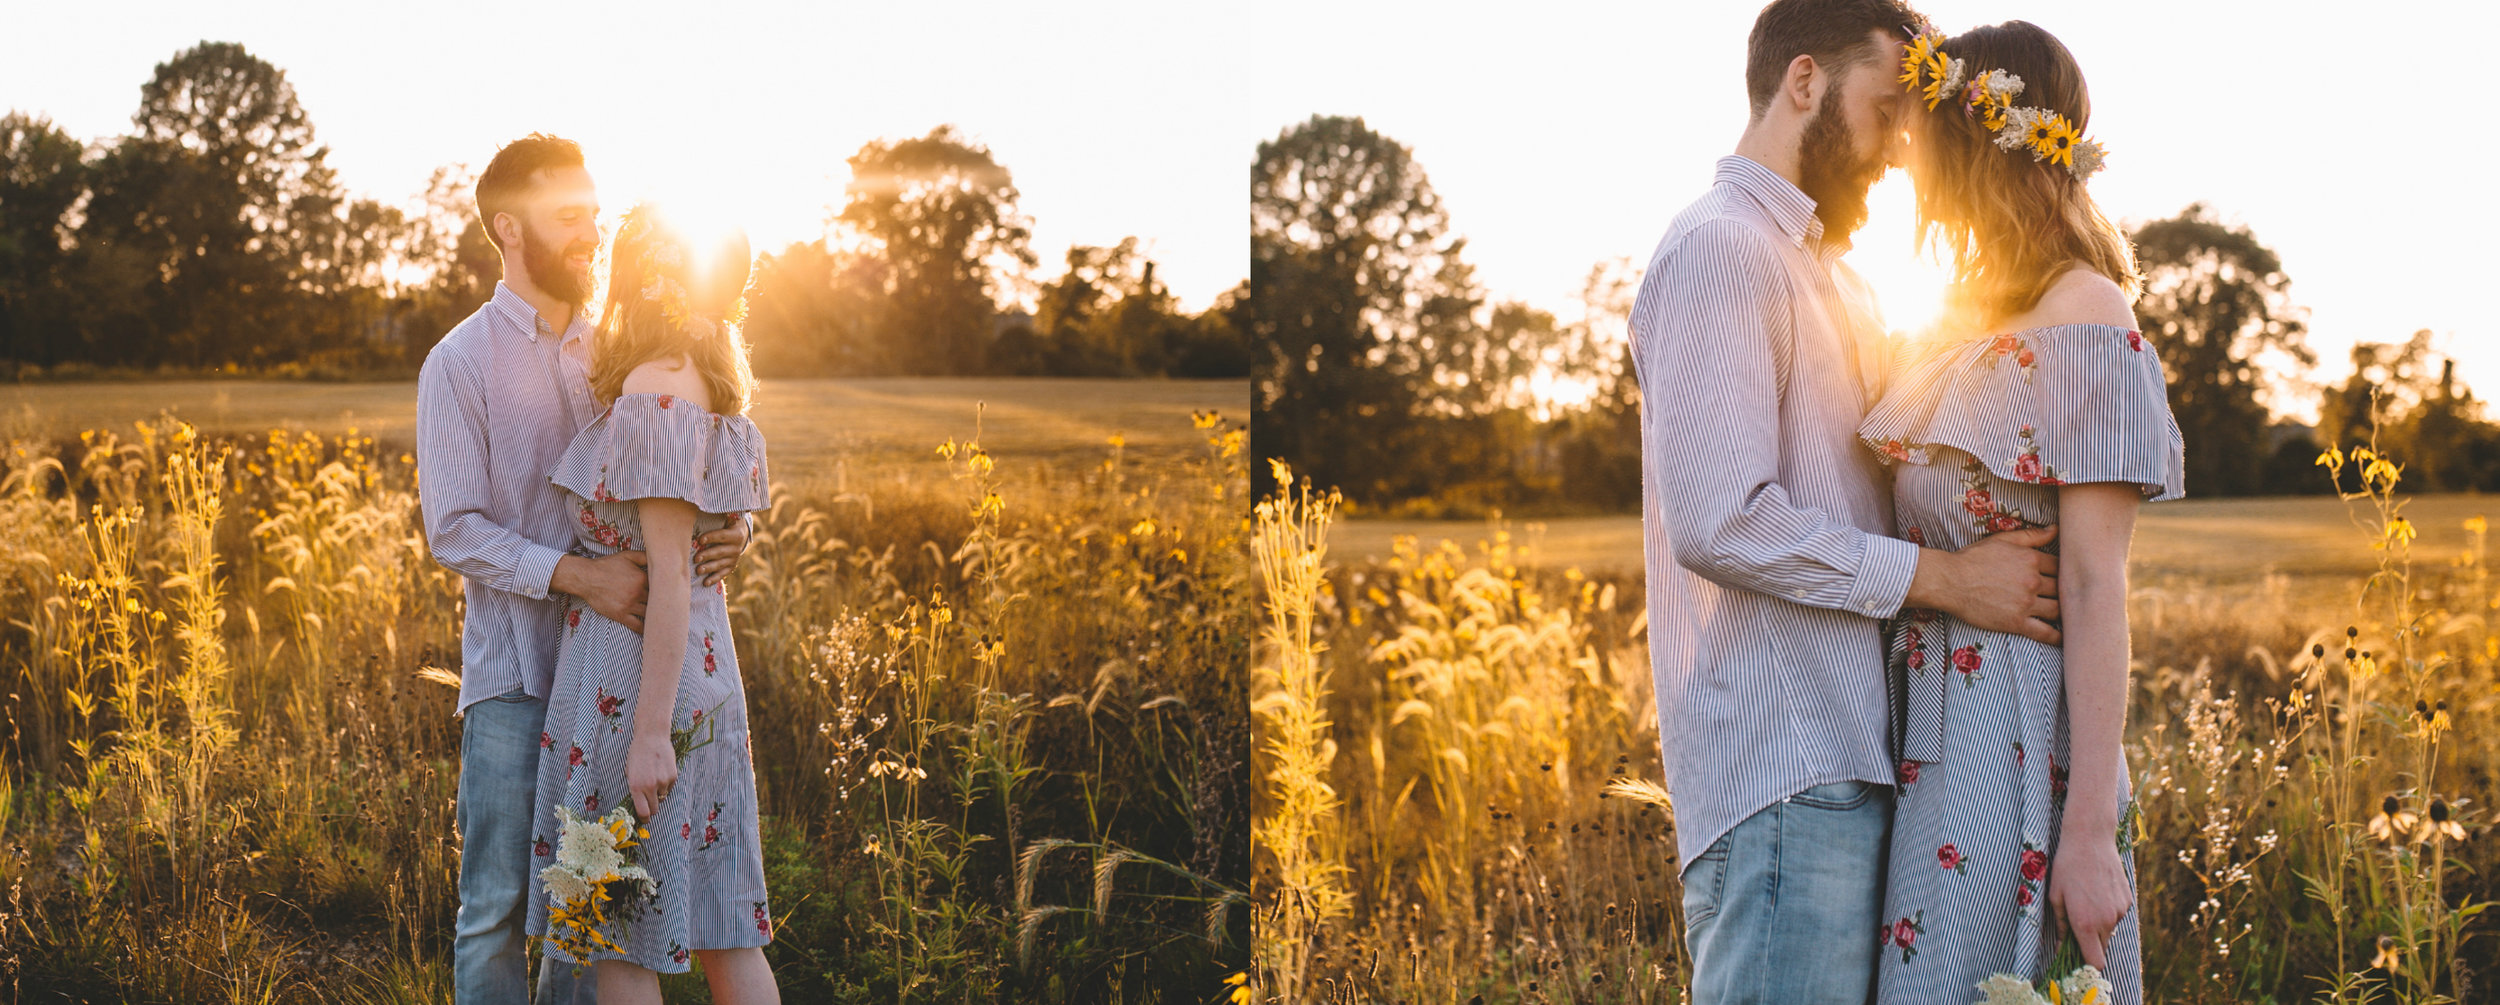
[[650, 770], [2089, 890]]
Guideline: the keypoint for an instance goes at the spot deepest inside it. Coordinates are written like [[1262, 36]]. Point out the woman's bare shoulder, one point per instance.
[[2082, 297], [673, 376]]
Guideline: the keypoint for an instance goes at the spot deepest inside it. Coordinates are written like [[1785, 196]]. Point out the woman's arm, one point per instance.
[[2088, 886], [668, 537], [668, 541]]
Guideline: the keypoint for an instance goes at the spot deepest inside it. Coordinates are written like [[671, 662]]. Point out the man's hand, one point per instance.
[[614, 586], [720, 552], [2002, 583]]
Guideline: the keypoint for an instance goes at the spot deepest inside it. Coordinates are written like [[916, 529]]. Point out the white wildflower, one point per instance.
[[2085, 986], [2018, 123], [2007, 989]]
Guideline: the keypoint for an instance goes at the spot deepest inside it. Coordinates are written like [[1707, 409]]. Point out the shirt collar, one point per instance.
[[1789, 207], [531, 323]]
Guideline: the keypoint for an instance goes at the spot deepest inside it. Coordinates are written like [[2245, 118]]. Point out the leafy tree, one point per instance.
[[1107, 315], [941, 213], [2216, 302], [819, 311], [224, 190], [42, 178], [1354, 288]]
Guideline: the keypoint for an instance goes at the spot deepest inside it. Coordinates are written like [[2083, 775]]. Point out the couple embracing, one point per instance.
[[589, 482], [1887, 582]]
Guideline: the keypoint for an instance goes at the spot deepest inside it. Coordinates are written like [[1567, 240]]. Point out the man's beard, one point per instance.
[[1831, 173], [550, 271]]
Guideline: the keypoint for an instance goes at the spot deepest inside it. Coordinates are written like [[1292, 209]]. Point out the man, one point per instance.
[[1765, 523], [497, 402]]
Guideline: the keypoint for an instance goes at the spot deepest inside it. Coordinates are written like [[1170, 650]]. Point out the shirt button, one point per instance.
[[1871, 607]]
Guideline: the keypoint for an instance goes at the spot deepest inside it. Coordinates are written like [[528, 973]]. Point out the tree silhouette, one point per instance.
[[942, 212], [2215, 301]]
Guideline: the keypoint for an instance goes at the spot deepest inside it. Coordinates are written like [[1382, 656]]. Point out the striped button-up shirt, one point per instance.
[[497, 402], [1764, 521]]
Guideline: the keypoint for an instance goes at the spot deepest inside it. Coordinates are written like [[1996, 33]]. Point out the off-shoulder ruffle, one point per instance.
[[655, 445], [2063, 404]]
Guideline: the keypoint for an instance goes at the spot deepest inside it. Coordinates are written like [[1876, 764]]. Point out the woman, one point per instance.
[[2038, 402], [673, 456]]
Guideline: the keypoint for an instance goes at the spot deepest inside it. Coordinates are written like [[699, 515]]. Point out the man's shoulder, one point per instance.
[[466, 342], [1723, 220]]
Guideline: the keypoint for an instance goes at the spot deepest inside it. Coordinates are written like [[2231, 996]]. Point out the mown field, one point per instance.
[[1459, 755], [997, 692]]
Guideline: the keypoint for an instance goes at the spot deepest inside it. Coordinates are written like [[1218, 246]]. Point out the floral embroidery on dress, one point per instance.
[[711, 829], [1981, 504], [2028, 466], [573, 619], [2057, 781], [1966, 660], [667, 401], [1913, 535], [2135, 341], [612, 708], [546, 740], [710, 663], [2035, 869], [1952, 858], [601, 530], [676, 951], [2013, 346], [763, 920], [1909, 772], [1916, 641], [540, 849], [1892, 448], [1905, 933]]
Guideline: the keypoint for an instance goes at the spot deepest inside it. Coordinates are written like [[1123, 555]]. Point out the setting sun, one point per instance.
[[1908, 282]]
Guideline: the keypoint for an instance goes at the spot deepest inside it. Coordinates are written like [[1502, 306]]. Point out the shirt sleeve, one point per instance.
[[1713, 331], [452, 453]]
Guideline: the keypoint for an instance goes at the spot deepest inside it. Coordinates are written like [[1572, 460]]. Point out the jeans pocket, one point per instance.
[[514, 696], [1844, 795], [1704, 882]]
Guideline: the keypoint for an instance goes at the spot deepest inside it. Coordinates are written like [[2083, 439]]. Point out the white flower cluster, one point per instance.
[[587, 857], [2085, 986]]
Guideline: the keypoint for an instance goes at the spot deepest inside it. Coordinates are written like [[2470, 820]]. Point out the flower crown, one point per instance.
[[1989, 97], [658, 260]]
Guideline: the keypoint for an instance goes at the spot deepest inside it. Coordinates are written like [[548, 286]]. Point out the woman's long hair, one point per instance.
[[2008, 225], [662, 292]]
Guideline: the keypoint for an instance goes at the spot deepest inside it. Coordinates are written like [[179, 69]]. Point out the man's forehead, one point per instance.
[[564, 187]]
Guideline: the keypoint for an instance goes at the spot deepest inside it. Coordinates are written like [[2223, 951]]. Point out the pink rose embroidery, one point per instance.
[[1950, 857], [2135, 341], [1909, 772]]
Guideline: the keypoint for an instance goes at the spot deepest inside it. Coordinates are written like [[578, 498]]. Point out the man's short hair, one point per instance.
[[1832, 31], [515, 168]]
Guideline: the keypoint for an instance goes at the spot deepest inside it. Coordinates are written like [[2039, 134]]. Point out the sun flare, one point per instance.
[[1909, 285]]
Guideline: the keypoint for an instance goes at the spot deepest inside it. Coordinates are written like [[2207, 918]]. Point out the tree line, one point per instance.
[[1384, 369], [214, 237]]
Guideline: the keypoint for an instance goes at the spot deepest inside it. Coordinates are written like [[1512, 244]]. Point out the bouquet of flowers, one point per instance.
[[2082, 985], [593, 871]]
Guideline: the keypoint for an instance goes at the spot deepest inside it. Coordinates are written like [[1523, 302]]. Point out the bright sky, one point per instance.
[[1103, 116], [1562, 133]]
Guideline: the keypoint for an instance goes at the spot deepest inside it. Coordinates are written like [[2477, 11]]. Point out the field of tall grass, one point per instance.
[[1458, 795], [997, 715]]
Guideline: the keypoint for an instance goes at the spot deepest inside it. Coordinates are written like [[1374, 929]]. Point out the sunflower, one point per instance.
[[2440, 825], [2393, 822], [2053, 139], [1914, 56], [1942, 76]]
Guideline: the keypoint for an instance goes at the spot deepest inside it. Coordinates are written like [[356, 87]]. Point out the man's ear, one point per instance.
[[506, 230], [1802, 86]]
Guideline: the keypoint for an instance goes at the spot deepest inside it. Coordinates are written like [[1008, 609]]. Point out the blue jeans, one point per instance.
[[1783, 908], [498, 798]]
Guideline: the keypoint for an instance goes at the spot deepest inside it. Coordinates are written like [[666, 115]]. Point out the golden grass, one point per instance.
[[1478, 697], [230, 760]]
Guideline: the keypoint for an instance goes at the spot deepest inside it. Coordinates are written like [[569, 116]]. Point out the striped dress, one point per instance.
[[1981, 431], [703, 846]]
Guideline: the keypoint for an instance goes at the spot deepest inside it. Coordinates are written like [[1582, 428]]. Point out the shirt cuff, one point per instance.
[[1883, 576], [536, 572]]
